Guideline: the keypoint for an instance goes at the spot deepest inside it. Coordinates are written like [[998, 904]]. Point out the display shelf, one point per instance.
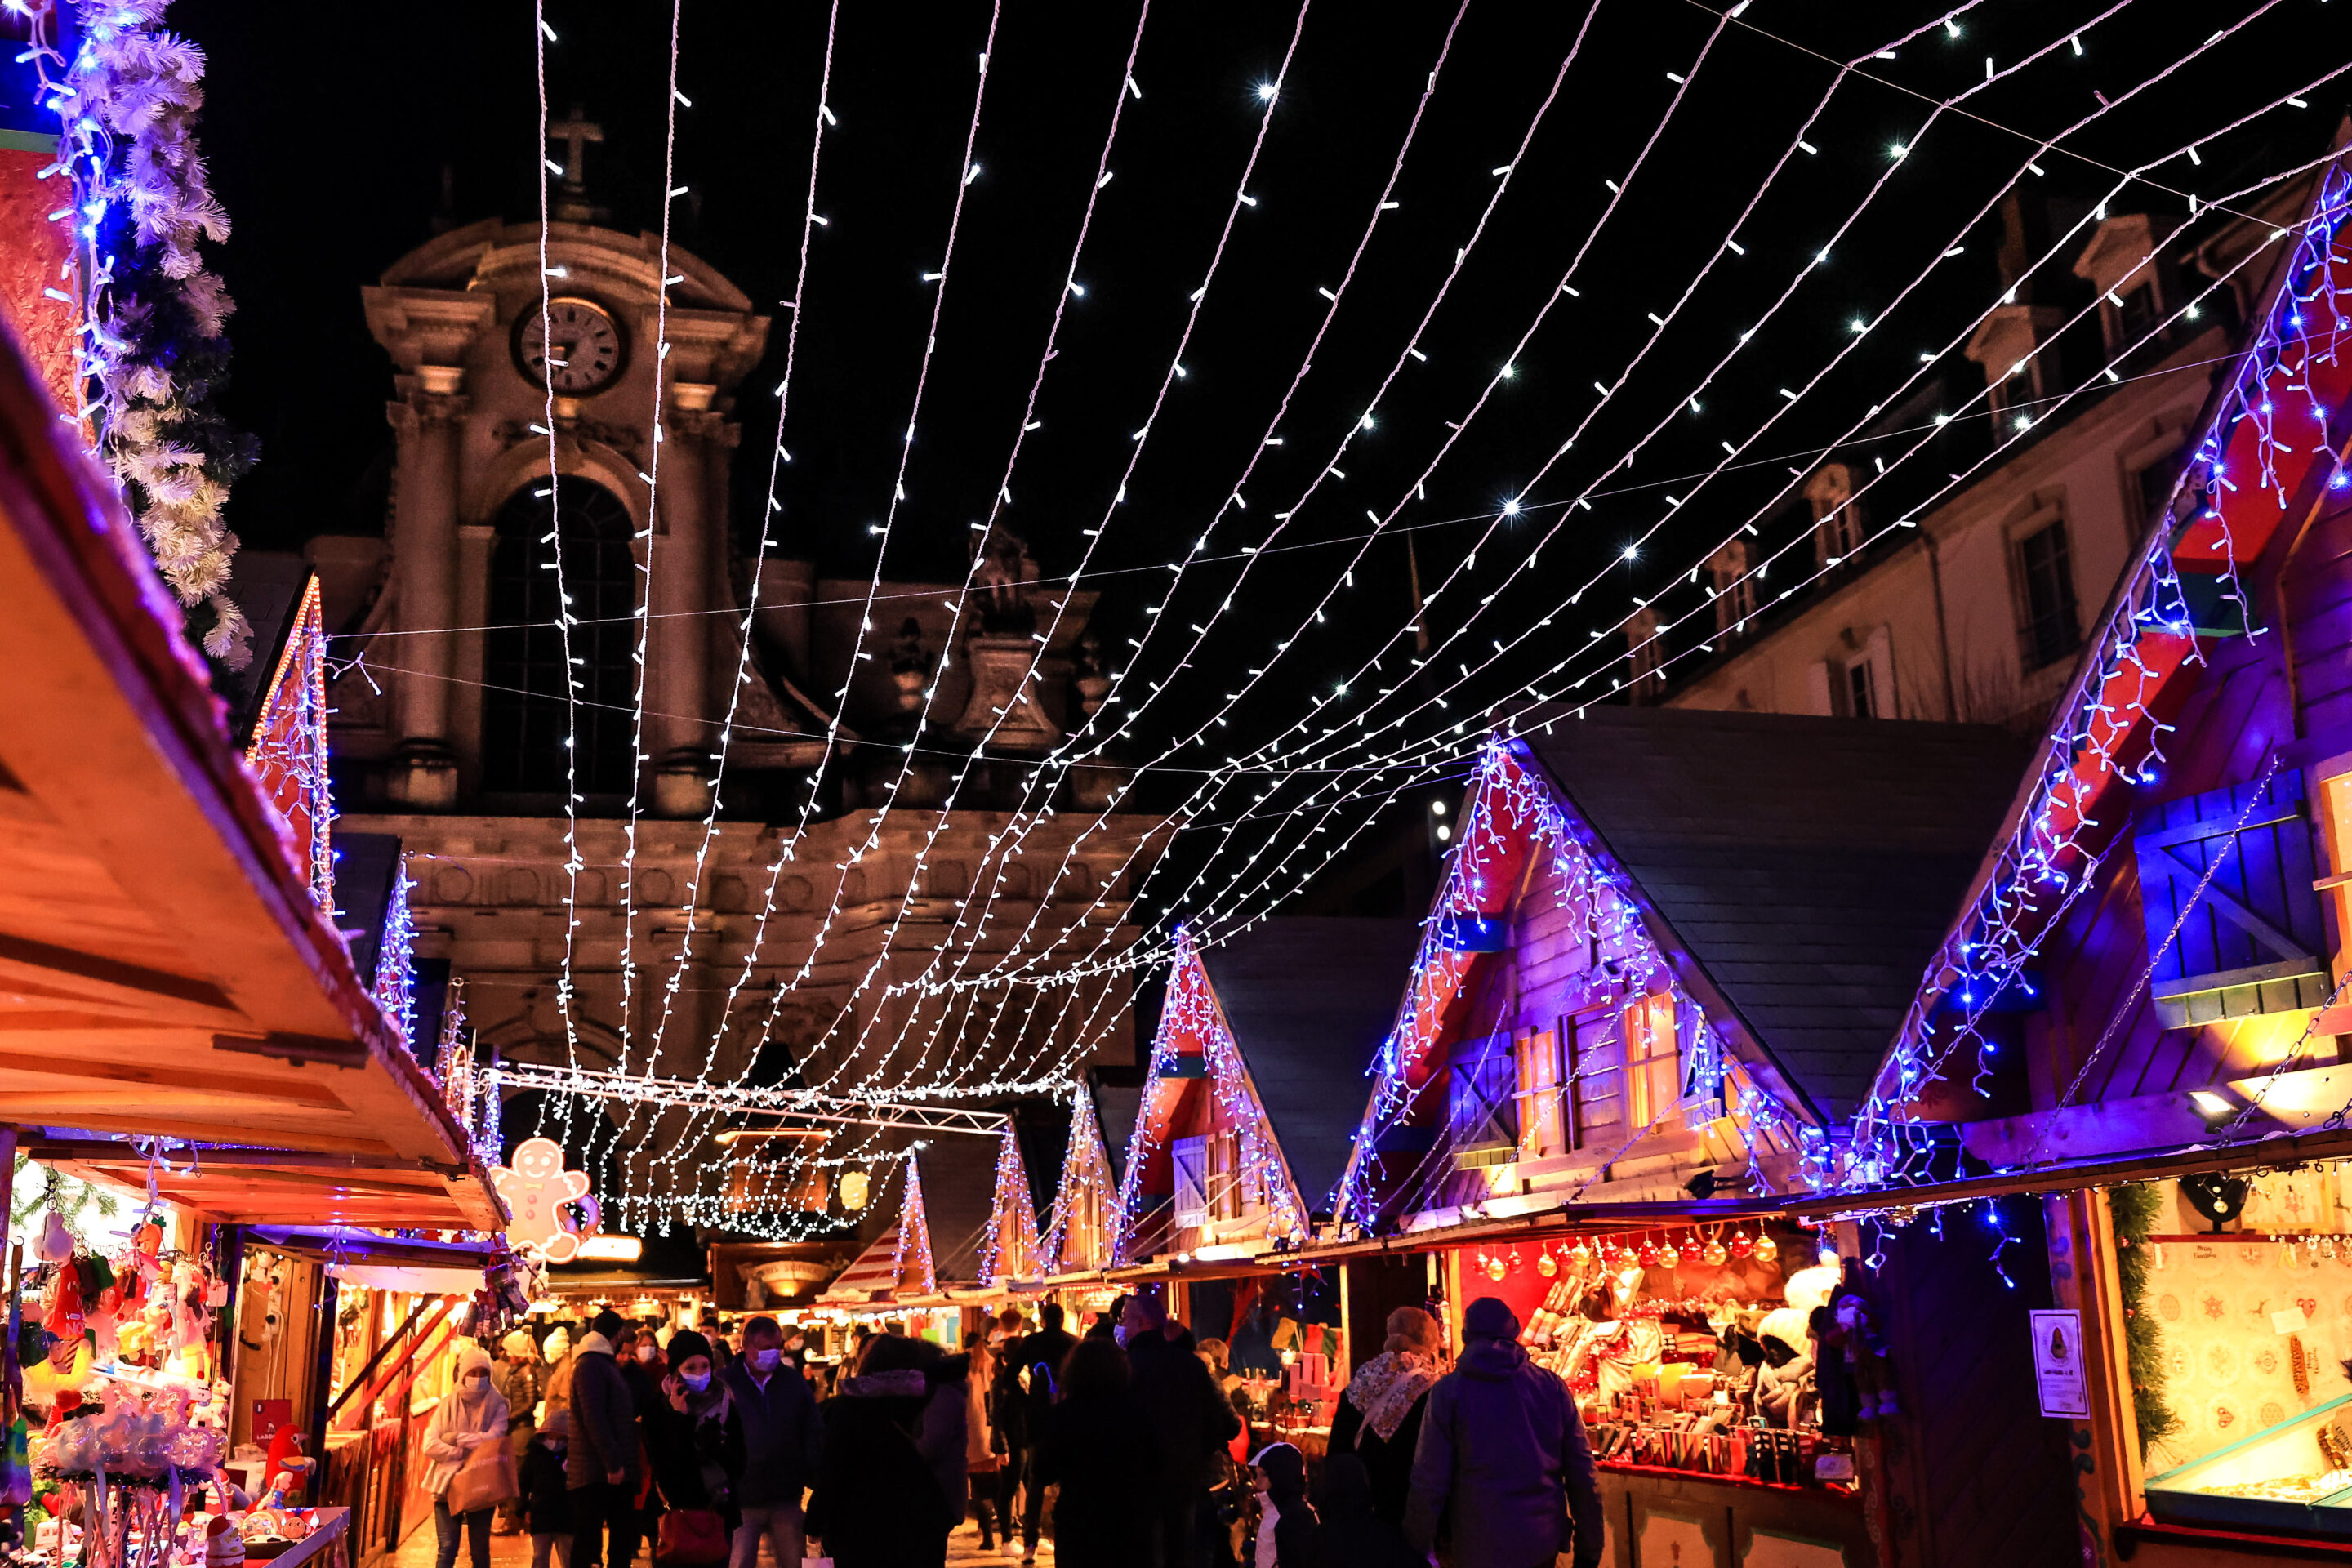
[[2190, 1494]]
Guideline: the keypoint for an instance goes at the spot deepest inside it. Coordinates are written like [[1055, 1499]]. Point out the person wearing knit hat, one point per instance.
[[472, 1414], [694, 1436], [1502, 1453]]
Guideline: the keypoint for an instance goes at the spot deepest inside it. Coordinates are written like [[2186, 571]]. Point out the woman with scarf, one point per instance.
[[1379, 1418], [694, 1437], [472, 1415]]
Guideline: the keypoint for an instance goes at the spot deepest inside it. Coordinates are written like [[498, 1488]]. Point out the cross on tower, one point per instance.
[[575, 133]]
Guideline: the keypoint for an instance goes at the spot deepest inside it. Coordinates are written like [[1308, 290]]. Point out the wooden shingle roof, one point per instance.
[[1808, 866]]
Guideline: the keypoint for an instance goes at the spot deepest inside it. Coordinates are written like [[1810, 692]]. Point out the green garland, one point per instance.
[[2133, 1209], [58, 1191]]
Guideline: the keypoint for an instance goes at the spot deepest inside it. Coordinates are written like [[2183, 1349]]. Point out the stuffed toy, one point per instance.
[[1866, 1359], [57, 1244]]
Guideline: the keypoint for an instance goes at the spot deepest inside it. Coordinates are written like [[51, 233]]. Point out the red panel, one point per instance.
[[33, 256]]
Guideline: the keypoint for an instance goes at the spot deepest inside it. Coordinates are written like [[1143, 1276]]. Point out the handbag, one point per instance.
[[486, 1479], [692, 1538]]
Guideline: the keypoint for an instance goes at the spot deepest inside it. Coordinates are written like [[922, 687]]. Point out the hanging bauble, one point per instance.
[[1494, 1269], [1627, 1258], [1714, 1252], [1581, 1254], [1515, 1260], [1670, 1256], [1742, 1244], [1546, 1265], [1649, 1253], [1767, 1249]]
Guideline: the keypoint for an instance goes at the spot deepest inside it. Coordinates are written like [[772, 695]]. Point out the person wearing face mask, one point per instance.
[[783, 1439], [474, 1414], [639, 1358], [602, 1466], [694, 1436]]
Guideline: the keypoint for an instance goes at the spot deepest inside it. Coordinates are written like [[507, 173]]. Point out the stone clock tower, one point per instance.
[[752, 951], [477, 526]]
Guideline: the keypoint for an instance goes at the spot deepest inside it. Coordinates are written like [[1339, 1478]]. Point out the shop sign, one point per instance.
[[2059, 1375]]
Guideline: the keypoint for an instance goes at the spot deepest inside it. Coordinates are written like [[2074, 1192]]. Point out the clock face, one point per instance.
[[577, 349]]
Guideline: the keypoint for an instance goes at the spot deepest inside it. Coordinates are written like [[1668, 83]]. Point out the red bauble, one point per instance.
[[1742, 1244]]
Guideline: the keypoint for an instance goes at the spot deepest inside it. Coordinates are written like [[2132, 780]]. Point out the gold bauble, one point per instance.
[[1767, 1249]]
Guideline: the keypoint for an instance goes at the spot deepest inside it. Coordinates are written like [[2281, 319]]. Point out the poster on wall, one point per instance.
[[2058, 1372]]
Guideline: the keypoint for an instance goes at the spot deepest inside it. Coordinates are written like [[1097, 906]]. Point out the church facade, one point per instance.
[[751, 946]]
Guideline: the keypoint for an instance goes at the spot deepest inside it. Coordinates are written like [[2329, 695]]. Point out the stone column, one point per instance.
[[468, 649], [677, 661], [424, 556]]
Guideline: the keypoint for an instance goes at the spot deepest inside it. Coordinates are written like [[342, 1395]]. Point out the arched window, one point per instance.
[[524, 718]]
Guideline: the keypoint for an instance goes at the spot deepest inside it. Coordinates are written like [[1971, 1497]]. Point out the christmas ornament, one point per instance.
[[1493, 1268], [1627, 1257], [1580, 1254], [1767, 1249], [1741, 1245], [1546, 1265], [1649, 1253], [1714, 1254], [1670, 1256]]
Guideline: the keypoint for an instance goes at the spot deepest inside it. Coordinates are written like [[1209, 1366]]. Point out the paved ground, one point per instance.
[[514, 1552]]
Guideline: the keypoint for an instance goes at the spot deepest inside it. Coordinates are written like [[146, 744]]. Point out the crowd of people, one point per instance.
[[1129, 1445]]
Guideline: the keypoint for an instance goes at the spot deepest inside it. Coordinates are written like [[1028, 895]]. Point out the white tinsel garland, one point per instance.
[[153, 343]]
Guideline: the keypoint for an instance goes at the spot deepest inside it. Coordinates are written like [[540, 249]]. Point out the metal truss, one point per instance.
[[791, 1107]]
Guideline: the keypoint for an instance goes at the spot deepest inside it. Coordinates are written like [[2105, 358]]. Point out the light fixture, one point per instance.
[[2211, 1108], [612, 1248], [854, 1186]]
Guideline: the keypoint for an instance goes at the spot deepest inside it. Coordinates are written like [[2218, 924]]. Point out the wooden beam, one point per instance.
[[45, 958]]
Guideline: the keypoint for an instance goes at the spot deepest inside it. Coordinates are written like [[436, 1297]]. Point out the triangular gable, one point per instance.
[[288, 751], [2243, 481], [1011, 1250], [1079, 1236], [1195, 1042], [1514, 817], [898, 1261]]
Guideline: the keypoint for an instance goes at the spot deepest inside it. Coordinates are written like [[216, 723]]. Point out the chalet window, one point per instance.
[[1537, 1051], [1481, 1113], [1653, 1060], [1189, 1158], [1861, 691], [1224, 1176], [2252, 943], [1596, 1093], [2049, 626]]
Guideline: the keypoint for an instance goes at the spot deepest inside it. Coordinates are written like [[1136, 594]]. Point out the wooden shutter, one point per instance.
[[1483, 1119], [1538, 1093], [2252, 943], [1596, 1077], [1653, 1080], [1189, 1159]]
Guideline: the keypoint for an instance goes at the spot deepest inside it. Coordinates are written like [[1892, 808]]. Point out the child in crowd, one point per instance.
[[545, 1511]]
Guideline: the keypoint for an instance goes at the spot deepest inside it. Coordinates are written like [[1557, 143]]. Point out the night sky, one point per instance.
[[332, 143]]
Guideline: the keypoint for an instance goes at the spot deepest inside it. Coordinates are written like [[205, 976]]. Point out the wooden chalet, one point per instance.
[[1245, 1116], [895, 1265], [1654, 986], [2138, 1016], [1082, 1228], [1670, 943], [170, 969]]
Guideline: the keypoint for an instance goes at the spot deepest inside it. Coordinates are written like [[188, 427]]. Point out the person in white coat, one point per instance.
[[474, 1414]]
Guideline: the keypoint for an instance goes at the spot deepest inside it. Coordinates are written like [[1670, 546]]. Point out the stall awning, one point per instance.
[[870, 1278], [2272, 1152], [164, 969]]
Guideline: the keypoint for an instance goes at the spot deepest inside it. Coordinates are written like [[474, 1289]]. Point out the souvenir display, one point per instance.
[[1686, 1357]]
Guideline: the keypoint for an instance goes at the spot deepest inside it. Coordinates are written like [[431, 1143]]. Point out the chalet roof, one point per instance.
[[1808, 866], [1309, 999]]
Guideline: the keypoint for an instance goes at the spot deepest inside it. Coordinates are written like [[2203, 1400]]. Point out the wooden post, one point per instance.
[[229, 1254], [322, 1373]]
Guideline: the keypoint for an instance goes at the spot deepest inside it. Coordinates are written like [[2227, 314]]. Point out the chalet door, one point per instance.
[[2252, 939], [1189, 1158], [1482, 1115]]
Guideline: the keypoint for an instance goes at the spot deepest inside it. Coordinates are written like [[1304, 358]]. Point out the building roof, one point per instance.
[[1809, 866], [1309, 999]]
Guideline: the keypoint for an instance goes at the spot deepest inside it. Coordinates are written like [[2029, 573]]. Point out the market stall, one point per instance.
[[184, 1021]]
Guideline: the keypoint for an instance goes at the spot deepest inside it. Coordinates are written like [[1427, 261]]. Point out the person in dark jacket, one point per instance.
[[639, 1358], [1188, 1416], [1501, 1441], [1039, 1360], [889, 1484], [546, 1514], [600, 1470], [781, 1440], [694, 1436], [516, 1377], [1098, 1446], [1349, 1531], [1379, 1418], [1285, 1522]]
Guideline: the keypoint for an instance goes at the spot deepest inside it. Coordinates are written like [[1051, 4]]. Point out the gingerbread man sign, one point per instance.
[[536, 1188]]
